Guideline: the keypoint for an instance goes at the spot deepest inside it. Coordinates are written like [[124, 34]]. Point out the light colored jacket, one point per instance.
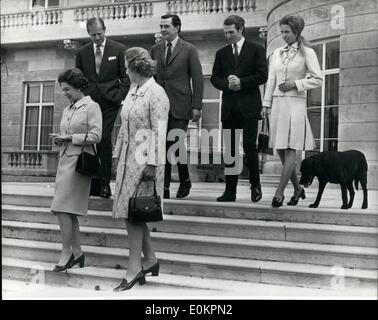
[[78, 119], [304, 70]]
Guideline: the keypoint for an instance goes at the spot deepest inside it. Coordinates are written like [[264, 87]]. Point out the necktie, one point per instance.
[[169, 53], [98, 58], [236, 55]]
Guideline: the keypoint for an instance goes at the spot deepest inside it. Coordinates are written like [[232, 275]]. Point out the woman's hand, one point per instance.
[[265, 112], [286, 86], [114, 166], [59, 140], [149, 173]]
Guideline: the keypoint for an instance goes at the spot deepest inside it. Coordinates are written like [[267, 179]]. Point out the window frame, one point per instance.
[[46, 6], [40, 106], [324, 73]]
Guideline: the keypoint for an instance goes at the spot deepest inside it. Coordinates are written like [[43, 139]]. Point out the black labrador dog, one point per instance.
[[336, 167]]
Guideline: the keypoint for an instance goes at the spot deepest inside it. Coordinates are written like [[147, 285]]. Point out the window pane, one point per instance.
[[48, 92], [314, 97], [314, 116], [318, 51], [310, 153], [332, 55], [331, 122], [31, 128], [46, 127], [209, 92], [332, 89], [38, 3], [32, 95], [53, 3], [330, 145]]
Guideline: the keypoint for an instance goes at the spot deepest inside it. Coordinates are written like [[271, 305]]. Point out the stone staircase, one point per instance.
[[199, 238]]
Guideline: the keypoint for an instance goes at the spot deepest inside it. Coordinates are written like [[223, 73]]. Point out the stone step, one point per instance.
[[235, 210], [272, 250], [213, 226], [207, 267]]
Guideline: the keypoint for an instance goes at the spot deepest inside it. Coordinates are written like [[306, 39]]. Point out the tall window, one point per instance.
[[44, 4], [323, 102], [38, 115]]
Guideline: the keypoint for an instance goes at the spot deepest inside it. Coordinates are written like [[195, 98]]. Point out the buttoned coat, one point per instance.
[[140, 142], [183, 72], [72, 188]]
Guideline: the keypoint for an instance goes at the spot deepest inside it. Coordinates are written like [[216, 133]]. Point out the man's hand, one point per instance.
[[114, 166], [234, 83], [149, 173], [196, 115], [286, 86]]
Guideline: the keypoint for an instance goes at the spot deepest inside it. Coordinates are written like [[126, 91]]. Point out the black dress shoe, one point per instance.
[[124, 285], [154, 270], [79, 261], [227, 197], [105, 192], [256, 193], [293, 201], [166, 193], [276, 203], [184, 189], [66, 266]]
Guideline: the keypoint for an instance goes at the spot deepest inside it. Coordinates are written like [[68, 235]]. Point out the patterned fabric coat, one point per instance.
[[140, 142]]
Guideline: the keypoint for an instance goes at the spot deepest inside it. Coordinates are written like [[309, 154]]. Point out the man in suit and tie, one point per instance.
[[239, 69], [103, 63], [179, 72]]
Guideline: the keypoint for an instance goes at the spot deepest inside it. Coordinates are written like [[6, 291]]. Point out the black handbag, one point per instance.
[[88, 164], [263, 140], [145, 208]]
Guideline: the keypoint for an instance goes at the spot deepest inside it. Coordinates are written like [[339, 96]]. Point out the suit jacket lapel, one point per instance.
[[91, 59], [162, 52], [242, 53], [176, 50], [105, 56], [230, 55]]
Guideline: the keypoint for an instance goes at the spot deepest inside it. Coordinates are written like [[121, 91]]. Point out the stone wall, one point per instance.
[[358, 82]]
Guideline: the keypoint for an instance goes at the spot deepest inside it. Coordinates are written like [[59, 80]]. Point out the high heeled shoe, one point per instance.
[[79, 261], [154, 270], [66, 266], [294, 201], [124, 285], [277, 203]]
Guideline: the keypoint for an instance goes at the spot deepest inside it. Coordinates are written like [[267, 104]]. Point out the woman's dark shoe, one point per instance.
[[124, 285], [293, 201], [276, 203], [79, 261], [154, 270], [66, 266]]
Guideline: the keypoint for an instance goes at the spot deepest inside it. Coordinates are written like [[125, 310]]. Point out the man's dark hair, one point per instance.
[[176, 22], [237, 21], [95, 20]]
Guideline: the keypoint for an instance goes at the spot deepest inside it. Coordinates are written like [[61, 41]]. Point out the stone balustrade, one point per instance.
[[120, 11], [188, 7], [29, 162], [32, 19]]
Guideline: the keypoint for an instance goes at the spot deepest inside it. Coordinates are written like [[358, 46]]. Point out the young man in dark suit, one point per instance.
[[178, 65], [239, 69], [103, 63]]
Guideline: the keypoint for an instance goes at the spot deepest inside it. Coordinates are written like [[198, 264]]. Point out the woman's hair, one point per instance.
[[296, 23], [140, 62], [74, 77]]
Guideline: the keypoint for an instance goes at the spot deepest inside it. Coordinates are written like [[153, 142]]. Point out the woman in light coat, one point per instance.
[[82, 117], [294, 68], [140, 154]]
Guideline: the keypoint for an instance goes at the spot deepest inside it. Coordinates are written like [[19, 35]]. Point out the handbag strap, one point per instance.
[[267, 124], [85, 140], [138, 186]]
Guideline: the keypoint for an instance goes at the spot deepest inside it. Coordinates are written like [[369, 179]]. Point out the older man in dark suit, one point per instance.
[[238, 70], [178, 65], [103, 63]]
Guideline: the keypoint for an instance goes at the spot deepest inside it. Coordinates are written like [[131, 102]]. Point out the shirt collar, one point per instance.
[[83, 101], [143, 89], [174, 42], [102, 44], [293, 45], [240, 42]]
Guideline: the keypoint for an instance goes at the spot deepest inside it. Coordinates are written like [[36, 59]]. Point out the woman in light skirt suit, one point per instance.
[[294, 68], [81, 125]]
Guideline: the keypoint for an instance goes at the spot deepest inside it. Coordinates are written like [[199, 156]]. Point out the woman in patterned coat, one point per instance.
[[140, 154]]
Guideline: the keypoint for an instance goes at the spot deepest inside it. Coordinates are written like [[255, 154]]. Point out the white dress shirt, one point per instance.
[[239, 45], [102, 47], [174, 42]]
